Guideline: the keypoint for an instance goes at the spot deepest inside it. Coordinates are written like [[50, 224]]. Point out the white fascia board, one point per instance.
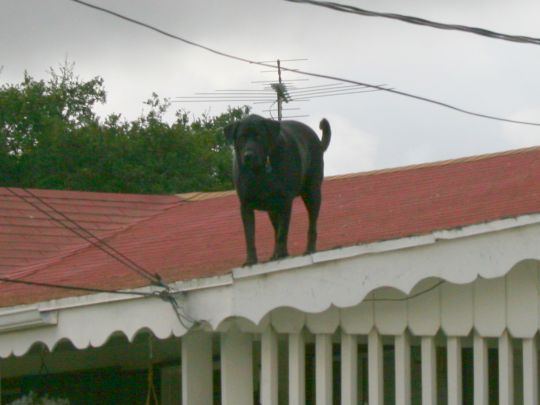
[[383, 246], [26, 318]]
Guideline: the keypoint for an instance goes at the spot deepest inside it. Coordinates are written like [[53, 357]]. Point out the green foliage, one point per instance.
[[51, 138]]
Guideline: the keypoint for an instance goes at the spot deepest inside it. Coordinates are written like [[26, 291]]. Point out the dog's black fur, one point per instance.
[[275, 162]]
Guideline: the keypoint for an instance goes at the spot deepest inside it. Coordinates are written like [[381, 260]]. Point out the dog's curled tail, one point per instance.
[[326, 133]]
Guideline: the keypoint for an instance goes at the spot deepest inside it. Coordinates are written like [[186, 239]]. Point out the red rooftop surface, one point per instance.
[[200, 235]]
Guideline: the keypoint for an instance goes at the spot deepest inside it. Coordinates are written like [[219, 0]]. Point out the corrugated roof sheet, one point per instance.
[[201, 235]]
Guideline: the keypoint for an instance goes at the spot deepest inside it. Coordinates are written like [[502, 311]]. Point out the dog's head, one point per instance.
[[253, 138]]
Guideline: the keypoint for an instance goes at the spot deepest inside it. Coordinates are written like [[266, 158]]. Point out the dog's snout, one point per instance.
[[250, 158]]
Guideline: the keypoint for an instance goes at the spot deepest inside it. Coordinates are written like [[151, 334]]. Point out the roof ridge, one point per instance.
[[99, 195], [206, 195], [444, 162]]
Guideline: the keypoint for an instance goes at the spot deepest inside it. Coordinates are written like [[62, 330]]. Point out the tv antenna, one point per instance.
[[277, 93]]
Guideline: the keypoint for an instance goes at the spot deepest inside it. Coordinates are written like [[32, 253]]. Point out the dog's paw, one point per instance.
[[249, 262], [279, 256]]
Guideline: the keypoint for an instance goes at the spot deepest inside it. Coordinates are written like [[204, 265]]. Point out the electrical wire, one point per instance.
[[410, 297], [76, 288], [166, 294], [305, 73], [87, 236], [420, 21]]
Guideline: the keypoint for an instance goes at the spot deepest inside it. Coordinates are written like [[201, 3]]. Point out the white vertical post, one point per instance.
[[236, 368], [375, 365], [480, 356], [402, 350], [429, 371], [454, 370], [506, 370], [349, 369], [297, 369], [269, 367], [323, 369], [197, 367], [530, 371]]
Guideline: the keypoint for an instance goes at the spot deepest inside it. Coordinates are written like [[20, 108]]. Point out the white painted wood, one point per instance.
[[375, 368], [424, 311], [453, 350], [236, 368], [402, 350], [390, 315], [490, 306], [480, 360], [287, 320], [530, 371], [357, 320], [269, 367], [323, 322], [506, 370], [314, 283], [522, 300], [429, 370], [349, 369], [456, 309], [197, 368], [297, 369], [323, 369], [283, 370]]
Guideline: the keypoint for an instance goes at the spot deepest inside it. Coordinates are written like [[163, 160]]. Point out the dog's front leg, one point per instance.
[[248, 219]]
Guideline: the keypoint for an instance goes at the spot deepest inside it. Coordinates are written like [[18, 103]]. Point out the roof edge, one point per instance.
[[288, 264], [445, 162]]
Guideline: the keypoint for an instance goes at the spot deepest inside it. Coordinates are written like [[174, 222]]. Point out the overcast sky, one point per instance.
[[370, 131]]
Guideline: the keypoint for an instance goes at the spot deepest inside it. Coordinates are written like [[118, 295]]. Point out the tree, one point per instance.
[[50, 137]]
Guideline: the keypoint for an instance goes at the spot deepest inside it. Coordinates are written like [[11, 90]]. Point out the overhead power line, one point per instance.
[[312, 74], [85, 234], [166, 294], [76, 288], [420, 21]]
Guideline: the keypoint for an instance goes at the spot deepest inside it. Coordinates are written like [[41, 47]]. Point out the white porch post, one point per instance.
[[480, 370], [269, 367], [506, 370], [454, 370], [297, 369], [349, 369], [236, 368], [375, 363], [530, 371], [323, 369], [429, 371], [402, 352], [197, 388]]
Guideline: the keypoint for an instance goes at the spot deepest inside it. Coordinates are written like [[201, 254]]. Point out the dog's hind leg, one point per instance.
[[274, 219], [283, 219], [312, 201]]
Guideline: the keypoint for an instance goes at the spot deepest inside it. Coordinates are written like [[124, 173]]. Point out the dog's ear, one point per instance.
[[230, 132]]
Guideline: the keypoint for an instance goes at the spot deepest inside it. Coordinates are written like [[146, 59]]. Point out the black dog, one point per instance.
[[275, 162]]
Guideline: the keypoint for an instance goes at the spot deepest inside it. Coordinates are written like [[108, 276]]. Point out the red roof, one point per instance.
[[200, 235]]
